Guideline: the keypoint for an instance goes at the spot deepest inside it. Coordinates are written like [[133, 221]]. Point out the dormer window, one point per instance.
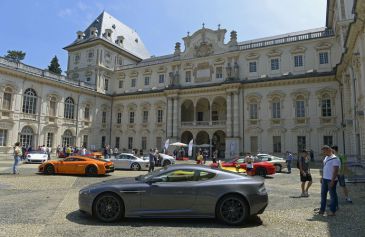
[[119, 40], [93, 32], [108, 33], [80, 35]]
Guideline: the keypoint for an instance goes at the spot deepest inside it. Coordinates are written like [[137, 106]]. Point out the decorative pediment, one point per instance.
[[119, 107], [54, 96], [160, 104], [145, 106], [254, 130], [162, 69], [297, 49], [276, 94], [8, 87], [253, 97], [326, 92], [274, 53], [252, 56], [219, 61], [133, 74], [132, 106], [188, 66], [147, 71], [323, 46], [300, 94], [121, 75]]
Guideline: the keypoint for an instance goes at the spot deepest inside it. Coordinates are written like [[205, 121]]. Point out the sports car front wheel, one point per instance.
[[232, 210], [108, 207]]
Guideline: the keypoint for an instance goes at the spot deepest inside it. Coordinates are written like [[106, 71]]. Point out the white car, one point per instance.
[[130, 162], [36, 157], [278, 162], [166, 160]]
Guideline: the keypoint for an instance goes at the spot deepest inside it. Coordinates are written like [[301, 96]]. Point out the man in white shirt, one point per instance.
[[331, 165]]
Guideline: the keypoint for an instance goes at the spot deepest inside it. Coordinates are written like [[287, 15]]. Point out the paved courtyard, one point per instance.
[[37, 205]]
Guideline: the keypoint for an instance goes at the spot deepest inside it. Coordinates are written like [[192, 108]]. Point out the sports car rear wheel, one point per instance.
[[232, 210], [108, 207], [166, 163], [91, 170], [49, 169], [135, 166], [277, 168]]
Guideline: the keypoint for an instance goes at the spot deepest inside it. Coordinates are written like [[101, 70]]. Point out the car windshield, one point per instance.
[[150, 175]]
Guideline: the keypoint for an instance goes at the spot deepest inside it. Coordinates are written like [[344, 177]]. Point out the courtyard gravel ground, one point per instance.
[[36, 205]]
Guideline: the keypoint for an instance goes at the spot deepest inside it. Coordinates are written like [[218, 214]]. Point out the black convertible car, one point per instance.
[[178, 191]]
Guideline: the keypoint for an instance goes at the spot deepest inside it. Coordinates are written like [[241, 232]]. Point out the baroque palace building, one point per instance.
[[276, 94]]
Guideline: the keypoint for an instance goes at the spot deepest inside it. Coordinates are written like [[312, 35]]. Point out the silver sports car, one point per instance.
[[177, 191]]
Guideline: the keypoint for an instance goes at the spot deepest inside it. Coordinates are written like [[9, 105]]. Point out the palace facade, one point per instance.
[[276, 94]]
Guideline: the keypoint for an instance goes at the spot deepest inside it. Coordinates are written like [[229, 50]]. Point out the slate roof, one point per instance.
[[132, 43]]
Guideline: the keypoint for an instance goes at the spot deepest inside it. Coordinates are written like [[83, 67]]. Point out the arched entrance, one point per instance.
[[187, 111], [67, 138], [219, 142], [186, 137], [202, 138], [26, 136]]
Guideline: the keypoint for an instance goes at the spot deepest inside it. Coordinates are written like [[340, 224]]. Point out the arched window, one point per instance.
[[7, 99], [67, 138], [69, 108], [30, 101], [26, 136], [276, 108]]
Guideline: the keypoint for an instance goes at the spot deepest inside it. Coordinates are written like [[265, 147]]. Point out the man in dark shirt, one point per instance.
[[152, 161]]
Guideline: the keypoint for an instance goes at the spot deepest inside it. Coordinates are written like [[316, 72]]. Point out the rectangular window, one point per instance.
[[276, 144], [253, 111], [130, 143], [87, 113], [85, 141], [215, 116], [161, 78], [276, 110], [117, 142], [298, 61], [7, 101], [52, 108], [145, 116], [274, 64], [3, 137], [323, 58], [120, 83], [159, 116], [103, 140], [144, 143], [159, 142], [188, 76], [301, 143], [254, 144], [119, 118], [146, 81], [299, 109], [219, 73], [133, 82], [106, 86], [252, 67], [326, 108], [103, 117], [131, 117], [328, 140], [49, 139]]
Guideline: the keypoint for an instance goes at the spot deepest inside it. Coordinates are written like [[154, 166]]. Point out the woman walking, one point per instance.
[[17, 155], [305, 175]]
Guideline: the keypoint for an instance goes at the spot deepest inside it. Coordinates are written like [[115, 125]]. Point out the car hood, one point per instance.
[[114, 182]]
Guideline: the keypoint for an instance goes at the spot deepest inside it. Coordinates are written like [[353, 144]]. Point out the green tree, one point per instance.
[[15, 55], [55, 66]]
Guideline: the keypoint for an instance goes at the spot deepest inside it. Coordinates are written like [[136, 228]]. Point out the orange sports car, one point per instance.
[[77, 165]]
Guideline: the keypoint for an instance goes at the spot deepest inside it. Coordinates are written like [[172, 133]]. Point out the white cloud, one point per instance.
[[65, 12]]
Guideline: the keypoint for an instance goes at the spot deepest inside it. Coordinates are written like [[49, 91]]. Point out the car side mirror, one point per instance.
[[269, 159]]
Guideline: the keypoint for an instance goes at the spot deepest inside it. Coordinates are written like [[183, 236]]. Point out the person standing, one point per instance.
[[311, 154], [17, 155], [249, 164], [215, 155], [289, 159], [341, 175], [199, 158], [331, 165], [152, 159], [305, 175], [48, 149]]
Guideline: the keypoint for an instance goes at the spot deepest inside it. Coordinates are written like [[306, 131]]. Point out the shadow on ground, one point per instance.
[[84, 219]]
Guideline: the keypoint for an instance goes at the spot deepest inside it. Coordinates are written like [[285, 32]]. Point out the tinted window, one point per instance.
[[204, 175], [178, 176]]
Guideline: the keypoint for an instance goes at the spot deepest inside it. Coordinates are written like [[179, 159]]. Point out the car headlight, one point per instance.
[[84, 191], [262, 190]]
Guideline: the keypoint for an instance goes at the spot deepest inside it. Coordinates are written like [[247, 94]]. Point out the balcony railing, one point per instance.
[[215, 123], [287, 39]]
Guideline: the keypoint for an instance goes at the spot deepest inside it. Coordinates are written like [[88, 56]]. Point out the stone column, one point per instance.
[[175, 118], [236, 124], [229, 116], [169, 117]]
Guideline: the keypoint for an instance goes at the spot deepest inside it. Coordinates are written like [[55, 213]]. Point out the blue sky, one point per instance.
[[42, 28]]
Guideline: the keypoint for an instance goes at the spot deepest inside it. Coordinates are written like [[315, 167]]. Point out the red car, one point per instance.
[[259, 168]]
